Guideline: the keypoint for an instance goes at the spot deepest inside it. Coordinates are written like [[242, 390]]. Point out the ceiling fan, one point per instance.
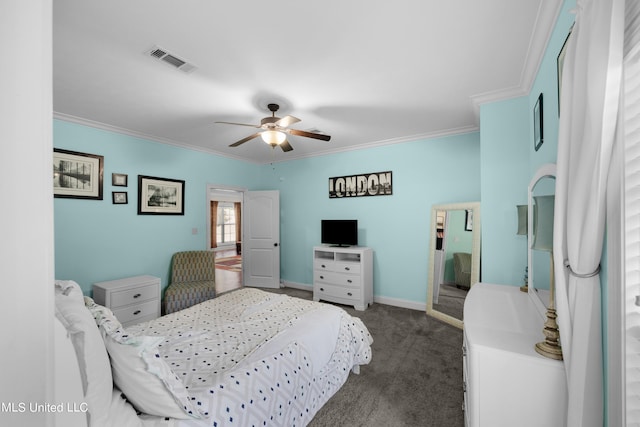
[[275, 129]]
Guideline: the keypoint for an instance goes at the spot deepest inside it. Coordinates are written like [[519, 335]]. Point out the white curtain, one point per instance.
[[589, 106]]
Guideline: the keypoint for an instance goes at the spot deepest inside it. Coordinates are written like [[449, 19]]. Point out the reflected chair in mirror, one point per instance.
[[192, 280], [462, 269], [523, 225]]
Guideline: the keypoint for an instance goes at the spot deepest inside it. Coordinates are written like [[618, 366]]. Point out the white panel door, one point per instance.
[[261, 242]]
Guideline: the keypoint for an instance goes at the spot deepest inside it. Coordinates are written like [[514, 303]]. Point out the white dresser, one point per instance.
[[506, 382], [132, 299], [343, 275]]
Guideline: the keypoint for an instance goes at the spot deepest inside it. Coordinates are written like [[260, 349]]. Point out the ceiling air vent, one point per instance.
[[168, 58]]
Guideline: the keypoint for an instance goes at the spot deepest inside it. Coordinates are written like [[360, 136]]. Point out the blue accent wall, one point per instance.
[[426, 172], [96, 240]]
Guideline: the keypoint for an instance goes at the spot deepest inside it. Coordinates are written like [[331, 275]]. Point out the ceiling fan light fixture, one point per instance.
[[273, 137]]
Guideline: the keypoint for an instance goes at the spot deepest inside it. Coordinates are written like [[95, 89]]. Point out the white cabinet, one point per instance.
[[132, 299], [506, 382], [343, 275]]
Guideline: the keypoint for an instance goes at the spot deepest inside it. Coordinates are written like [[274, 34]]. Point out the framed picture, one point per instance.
[[468, 220], [560, 65], [160, 196], [538, 137], [119, 197], [77, 175], [119, 179]]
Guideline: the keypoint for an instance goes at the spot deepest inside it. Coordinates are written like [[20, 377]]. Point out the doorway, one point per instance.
[[225, 236]]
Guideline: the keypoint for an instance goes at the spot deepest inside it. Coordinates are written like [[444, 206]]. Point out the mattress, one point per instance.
[[251, 357]]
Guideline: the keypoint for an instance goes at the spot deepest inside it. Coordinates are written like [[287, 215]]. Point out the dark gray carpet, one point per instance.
[[414, 378], [451, 300]]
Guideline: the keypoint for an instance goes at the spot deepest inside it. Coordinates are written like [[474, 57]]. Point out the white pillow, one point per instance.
[[139, 372], [95, 370]]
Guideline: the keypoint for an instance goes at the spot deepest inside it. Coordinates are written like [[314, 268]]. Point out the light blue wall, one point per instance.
[[504, 130], [427, 172], [97, 240], [509, 160]]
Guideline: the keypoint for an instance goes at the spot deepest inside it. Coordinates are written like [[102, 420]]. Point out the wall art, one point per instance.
[[363, 185], [77, 175], [160, 196]]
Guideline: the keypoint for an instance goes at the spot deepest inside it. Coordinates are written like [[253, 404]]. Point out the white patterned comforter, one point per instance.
[[252, 358]]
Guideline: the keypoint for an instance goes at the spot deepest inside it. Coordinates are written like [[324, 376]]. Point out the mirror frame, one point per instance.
[[475, 255], [547, 170]]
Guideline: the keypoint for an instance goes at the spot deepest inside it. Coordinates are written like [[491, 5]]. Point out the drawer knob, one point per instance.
[[347, 268], [322, 289], [350, 294], [135, 313], [349, 281], [322, 277], [137, 295], [324, 266]]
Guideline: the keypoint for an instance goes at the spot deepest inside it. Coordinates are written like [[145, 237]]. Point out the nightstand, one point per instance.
[[132, 299]]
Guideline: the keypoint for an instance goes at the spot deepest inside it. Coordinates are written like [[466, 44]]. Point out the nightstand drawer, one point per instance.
[[135, 313], [132, 299], [134, 295], [337, 292]]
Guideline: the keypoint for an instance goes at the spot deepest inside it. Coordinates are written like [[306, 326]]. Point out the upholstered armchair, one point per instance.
[[462, 269], [192, 280]]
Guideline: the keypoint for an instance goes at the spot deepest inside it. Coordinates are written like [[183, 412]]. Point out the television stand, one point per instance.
[[343, 275]]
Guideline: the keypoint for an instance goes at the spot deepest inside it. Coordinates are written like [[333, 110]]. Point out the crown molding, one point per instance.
[[99, 125], [548, 13]]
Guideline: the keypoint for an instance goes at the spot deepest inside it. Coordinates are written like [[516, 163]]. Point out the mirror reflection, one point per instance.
[[540, 235], [454, 259]]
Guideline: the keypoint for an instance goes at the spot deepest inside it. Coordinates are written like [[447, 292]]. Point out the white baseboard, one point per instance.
[[294, 285], [412, 305]]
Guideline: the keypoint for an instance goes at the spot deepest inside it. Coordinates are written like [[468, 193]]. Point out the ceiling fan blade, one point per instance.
[[239, 124], [286, 146], [308, 134], [287, 121], [243, 140]]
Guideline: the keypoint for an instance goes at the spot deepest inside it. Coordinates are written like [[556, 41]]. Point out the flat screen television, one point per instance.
[[339, 232]]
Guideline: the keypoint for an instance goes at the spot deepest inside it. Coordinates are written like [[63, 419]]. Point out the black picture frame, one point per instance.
[[468, 220], [119, 197], [538, 128], [560, 65], [77, 175], [160, 196], [119, 179]]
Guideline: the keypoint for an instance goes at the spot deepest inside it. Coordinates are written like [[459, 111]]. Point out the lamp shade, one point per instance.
[[543, 223], [273, 137], [523, 215]]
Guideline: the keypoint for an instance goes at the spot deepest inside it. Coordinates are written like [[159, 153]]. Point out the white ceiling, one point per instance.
[[364, 72]]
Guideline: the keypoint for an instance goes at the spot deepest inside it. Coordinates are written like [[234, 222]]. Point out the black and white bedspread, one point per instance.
[[252, 358]]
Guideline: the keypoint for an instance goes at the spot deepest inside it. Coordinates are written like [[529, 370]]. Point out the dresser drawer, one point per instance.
[[136, 313], [337, 292], [323, 265], [347, 267], [337, 278], [133, 295]]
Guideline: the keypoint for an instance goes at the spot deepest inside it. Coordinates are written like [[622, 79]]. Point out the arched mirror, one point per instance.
[[541, 196], [454, 259]]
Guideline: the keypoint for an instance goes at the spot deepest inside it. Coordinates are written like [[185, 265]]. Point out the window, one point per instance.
[[226, 224]]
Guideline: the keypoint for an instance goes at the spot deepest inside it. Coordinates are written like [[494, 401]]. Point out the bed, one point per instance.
[[245, 358]]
